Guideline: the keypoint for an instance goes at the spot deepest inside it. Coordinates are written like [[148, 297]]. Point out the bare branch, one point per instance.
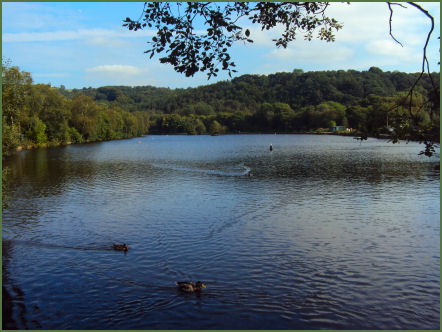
[[398, 4], [391, 16], [425, 60], [425, 134], [424, 57]]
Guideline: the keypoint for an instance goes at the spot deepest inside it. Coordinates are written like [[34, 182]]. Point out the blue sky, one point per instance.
[[83, 44]]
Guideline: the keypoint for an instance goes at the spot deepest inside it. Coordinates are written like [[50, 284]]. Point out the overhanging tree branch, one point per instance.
[[425, 134], [391, 19], [189, 52], [424, 56]]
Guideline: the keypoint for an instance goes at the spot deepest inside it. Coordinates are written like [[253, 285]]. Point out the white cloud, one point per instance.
[[264, 37], [109, 42], [40, 36], [312, 52], [409, 25], [154, 74], [387, 47], [118, 74], [63, 35], [115, 70]]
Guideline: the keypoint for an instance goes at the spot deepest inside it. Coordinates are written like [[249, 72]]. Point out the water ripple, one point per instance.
[[324, 234]]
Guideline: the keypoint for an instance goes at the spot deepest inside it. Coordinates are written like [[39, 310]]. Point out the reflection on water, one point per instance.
[[321, 233]]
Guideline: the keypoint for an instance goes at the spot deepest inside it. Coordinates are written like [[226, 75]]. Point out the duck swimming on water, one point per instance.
[[188, 286], [120, 247]]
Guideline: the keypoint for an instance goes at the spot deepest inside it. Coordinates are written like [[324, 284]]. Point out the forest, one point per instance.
[[371, 103], [38, 115]]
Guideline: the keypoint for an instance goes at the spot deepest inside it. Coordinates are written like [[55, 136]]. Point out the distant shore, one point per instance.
[[354, 134]]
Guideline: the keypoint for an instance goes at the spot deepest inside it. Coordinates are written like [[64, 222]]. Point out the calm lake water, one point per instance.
[[326, 233]]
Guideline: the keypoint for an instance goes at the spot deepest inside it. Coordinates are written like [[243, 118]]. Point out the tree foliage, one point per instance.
[[189, 48], [38, 115]]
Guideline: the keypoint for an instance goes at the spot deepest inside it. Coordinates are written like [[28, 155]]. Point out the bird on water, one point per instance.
[[120, 247], [189, 286]]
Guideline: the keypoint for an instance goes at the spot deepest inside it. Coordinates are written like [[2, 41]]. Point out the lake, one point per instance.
[[323, 232]]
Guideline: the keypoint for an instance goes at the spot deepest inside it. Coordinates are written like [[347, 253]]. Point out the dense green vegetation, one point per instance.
[[40, 115], [371, 102]]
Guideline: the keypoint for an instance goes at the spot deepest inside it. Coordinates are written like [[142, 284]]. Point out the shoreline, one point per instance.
[[32, 146], [353, 134]]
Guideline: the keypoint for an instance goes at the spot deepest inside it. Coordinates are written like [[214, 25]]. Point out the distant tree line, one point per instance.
[[372, 102]]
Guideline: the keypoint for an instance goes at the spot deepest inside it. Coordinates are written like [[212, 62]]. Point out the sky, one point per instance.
[[83, 44]]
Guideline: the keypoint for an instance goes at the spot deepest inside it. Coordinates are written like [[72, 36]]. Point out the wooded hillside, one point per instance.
[[371, 102]]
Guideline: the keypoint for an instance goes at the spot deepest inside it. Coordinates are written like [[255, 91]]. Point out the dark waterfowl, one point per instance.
[[121, 247], [188, 286]]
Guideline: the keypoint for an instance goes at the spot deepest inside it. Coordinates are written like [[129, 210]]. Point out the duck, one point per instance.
[[121, 247], [189, 286]]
